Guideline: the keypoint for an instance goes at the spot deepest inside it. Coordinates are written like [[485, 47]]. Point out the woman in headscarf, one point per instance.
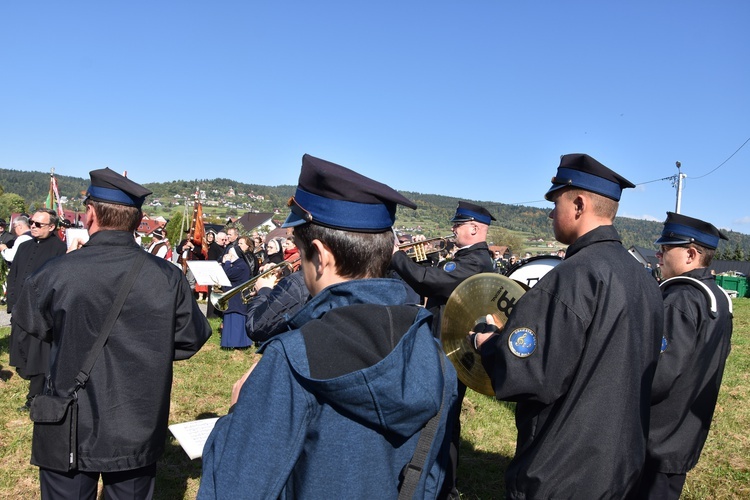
[[274, 252]]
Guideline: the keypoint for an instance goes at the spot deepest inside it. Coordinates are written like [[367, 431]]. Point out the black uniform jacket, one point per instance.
[[688, 374], [27, 353], [437, 283], [578, 354], [123, 409]]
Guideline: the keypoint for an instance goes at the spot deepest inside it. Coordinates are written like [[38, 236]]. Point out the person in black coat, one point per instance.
[[696, 343], [470, 225], [579, 350], [28, 354], [123, 410]]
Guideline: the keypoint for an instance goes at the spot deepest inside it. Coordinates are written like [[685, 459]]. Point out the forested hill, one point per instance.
[[433, 213]]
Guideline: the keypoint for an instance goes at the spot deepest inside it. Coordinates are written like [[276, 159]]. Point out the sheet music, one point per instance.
[[208, 272], [193, 435]]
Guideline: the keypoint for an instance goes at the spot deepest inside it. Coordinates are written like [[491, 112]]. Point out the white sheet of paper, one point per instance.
[[73, 234], [193, 435], [208, 272]]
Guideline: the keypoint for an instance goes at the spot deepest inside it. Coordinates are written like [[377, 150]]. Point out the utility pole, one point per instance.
[[677, 182]]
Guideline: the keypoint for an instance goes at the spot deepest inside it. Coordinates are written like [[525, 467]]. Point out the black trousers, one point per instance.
[[130, 484]]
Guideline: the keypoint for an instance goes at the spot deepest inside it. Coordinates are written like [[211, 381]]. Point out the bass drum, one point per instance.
[[527, 272]]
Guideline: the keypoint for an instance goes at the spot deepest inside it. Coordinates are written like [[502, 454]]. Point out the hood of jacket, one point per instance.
[[387, 363]]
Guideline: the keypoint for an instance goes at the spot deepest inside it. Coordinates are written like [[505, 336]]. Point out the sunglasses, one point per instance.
[[37, 224]]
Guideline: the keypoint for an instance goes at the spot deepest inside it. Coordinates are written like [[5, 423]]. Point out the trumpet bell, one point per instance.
[[468, 305]]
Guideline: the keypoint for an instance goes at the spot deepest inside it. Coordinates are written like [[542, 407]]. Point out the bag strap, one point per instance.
[[114, 312], [415, 467]]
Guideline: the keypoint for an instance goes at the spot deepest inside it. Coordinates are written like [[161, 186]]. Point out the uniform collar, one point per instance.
[[109, 237], [598, 235]]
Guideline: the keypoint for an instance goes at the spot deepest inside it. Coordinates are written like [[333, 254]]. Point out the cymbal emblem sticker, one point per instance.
[[522, 342], [450, 266]]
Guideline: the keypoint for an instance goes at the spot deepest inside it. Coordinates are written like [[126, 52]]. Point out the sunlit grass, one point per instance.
[[202, 388]]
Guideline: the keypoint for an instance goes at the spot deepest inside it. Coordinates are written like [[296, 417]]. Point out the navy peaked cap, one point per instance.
[[110, 187], [584, 172], [681, 230], [333, 196], [466, 212]]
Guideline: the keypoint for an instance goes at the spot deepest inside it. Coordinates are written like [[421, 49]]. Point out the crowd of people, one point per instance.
[[615, 376]]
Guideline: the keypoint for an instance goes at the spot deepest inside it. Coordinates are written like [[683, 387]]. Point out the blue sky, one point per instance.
[[472, 99]]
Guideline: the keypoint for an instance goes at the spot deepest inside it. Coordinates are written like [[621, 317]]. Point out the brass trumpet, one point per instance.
[[419, 250], [220, 300]]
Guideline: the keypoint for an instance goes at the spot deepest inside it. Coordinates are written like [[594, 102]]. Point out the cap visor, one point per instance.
[[667, 240], [293, 220], [555, 187]]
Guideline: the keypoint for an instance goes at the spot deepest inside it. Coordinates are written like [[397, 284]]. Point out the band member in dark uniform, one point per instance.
[[470, 225], [123, 408], [579, 350], [697, 336]]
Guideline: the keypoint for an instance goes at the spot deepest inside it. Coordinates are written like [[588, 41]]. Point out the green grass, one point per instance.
[[202, 388]]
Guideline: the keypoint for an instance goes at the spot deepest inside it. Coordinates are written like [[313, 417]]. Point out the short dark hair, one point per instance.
[[706, 254], [358, 255], [53, 218], [116, 217]]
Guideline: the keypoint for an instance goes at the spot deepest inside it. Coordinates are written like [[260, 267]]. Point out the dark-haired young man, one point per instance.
[[335, 407], [123, 409]]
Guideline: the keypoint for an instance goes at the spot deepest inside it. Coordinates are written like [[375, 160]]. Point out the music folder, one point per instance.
[[208, 272]]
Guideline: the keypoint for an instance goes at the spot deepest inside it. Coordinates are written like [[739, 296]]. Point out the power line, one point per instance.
[[722, 163], [668, 178], [671, 177]]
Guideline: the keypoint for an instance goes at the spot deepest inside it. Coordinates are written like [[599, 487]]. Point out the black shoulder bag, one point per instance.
[[54, 443]]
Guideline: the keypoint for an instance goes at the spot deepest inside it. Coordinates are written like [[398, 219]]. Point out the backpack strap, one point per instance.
[[413, 470]]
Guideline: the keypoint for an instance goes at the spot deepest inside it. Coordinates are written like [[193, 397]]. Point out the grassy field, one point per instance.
[[202, 387]]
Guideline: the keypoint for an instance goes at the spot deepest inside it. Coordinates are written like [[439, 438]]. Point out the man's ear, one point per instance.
[[322, 258], [692, 255], [580, 202]]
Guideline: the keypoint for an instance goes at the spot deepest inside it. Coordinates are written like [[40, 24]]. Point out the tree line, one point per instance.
[[23, 191]]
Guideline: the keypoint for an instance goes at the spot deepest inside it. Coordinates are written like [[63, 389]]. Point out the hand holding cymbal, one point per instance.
[[482, 295]]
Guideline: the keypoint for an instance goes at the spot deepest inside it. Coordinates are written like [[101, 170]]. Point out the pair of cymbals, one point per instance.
[[468, 305]]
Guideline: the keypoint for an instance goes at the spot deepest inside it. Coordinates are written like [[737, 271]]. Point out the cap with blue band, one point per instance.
[[470, 212], [584, 172], [681, 230], [110, 187], [339, 214], [334, 196]]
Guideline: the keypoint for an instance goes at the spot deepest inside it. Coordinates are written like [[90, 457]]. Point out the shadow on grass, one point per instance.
[[481, 474], [174, 469]]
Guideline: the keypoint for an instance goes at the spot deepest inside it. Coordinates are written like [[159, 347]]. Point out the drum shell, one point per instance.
[[529, 271]]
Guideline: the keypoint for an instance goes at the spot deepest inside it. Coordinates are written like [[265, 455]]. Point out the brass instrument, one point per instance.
[[468, 305], [419, 250], [220, 300]]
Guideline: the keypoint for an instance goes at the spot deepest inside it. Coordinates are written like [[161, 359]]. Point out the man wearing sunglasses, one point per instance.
[[28, 354], [695, 346]]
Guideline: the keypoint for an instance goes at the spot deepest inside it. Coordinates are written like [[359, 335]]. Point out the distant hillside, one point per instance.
[[432, 216]]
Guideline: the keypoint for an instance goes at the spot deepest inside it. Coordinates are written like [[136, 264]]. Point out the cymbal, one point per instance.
[[468, 305]]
